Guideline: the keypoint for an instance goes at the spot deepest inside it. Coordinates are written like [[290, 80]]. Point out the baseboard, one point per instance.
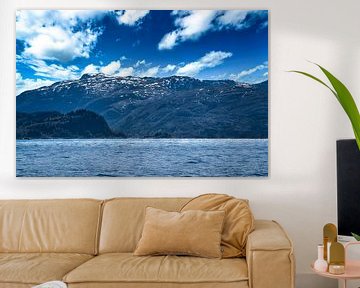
[[309, 280]]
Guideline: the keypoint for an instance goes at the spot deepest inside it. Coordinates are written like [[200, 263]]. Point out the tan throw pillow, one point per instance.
[[196, 233], [239, 220]]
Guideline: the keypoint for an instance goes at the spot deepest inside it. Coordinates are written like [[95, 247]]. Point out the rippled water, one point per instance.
[[142, 157]]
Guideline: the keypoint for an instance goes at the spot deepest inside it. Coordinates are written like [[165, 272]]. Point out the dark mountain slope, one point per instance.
[[78, 124]]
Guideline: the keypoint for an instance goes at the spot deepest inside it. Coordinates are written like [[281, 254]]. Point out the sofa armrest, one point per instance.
[[269, 256]]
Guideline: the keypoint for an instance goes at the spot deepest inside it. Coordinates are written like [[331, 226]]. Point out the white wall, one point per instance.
[[305, 120]]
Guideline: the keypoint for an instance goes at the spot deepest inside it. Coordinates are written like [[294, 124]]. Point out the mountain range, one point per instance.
[[170, 107]]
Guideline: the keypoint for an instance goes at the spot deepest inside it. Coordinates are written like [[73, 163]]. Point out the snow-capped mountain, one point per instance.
[[177, 106]]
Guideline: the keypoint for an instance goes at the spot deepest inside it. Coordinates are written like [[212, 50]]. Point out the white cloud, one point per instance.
[[50, 34], [211, 59], [250, 71], [131, 17], [74, 16], [90, 69], [169, 40], [124, 72], [151, 72], [139, 63], [112, 68], [196, 23], [265, 74], [233, 18], [55, 43], [52, 71], [29, 84], [242, 19], [193, 24], [169, 68]]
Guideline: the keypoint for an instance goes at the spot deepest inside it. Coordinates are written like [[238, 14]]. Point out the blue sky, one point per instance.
[[56, 45]]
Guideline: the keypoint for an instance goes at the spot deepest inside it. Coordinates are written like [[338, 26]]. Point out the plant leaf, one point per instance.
[[347, 102], [344, 97], [356, 236], [357, 137], [316, 79]]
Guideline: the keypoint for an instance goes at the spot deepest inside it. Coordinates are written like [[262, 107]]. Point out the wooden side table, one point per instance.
[[352, 268]]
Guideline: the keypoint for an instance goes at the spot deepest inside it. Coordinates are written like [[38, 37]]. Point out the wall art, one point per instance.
[[141, 93]]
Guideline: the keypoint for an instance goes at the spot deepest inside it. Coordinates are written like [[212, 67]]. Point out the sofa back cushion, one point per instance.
[[66, 226], [123, 220], [238, 224]]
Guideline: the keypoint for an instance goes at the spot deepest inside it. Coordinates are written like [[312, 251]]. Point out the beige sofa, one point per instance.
[[89, 243]]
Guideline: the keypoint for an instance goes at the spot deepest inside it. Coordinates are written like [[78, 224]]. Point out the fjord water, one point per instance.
[[141, 157]]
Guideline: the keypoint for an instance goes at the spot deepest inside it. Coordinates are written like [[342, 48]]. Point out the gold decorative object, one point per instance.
[[337, 258], [336, 269], [337, 253], [330, 236]]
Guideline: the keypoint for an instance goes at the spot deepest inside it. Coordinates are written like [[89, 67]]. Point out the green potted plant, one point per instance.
[[346, 100]]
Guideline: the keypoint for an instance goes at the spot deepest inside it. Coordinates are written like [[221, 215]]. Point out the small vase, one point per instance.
[[320, 264]]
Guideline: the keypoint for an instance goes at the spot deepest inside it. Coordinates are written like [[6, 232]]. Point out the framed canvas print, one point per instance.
[[141, 93]]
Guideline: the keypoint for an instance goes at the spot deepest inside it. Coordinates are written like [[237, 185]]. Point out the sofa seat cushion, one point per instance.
[[36, 268], [127, 268]]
